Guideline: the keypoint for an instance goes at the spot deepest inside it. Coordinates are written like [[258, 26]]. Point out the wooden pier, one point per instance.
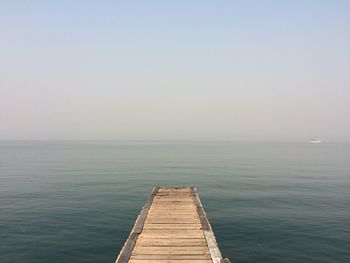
[[171, 228]]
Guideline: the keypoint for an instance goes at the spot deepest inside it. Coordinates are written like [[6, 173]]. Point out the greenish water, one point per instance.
[[267, 202]]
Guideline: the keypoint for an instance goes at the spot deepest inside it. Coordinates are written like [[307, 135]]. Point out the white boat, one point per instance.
[[315, 141]]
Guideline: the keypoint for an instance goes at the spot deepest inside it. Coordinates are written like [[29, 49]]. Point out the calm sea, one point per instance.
[[267, 202]]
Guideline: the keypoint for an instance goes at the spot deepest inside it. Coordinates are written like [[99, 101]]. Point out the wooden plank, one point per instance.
[[200, 210], [183, 208], [153, 212], [173, 204], [175, 190], [173, 221], [182, 233], [169, 261], [165, 215], [215, 253], [213, 247], [173, 197], [139, 223], [171, 228], [170, 250], [127, 249], [170, 257], [171, 242]]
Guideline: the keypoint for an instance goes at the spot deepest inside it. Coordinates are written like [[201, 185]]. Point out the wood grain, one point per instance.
[[171, 228]]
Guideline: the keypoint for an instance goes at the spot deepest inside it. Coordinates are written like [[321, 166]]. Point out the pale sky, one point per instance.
[[175, 70]]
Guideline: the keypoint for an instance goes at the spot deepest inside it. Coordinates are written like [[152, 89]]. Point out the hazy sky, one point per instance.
[[179, 70]]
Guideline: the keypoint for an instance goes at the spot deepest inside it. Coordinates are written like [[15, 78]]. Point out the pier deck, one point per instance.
[[171, 228]]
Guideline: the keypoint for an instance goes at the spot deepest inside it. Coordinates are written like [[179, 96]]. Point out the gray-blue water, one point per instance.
[[267, 202]]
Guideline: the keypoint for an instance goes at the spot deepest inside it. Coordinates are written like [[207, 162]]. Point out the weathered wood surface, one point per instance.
[[172, 228]]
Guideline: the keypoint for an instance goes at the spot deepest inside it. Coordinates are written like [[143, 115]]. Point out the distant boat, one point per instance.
[[315, 141]]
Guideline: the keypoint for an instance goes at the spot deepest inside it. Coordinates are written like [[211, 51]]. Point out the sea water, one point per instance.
[[270, 202]]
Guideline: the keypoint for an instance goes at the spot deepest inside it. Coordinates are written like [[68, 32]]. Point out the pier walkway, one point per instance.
[[171, 228]]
